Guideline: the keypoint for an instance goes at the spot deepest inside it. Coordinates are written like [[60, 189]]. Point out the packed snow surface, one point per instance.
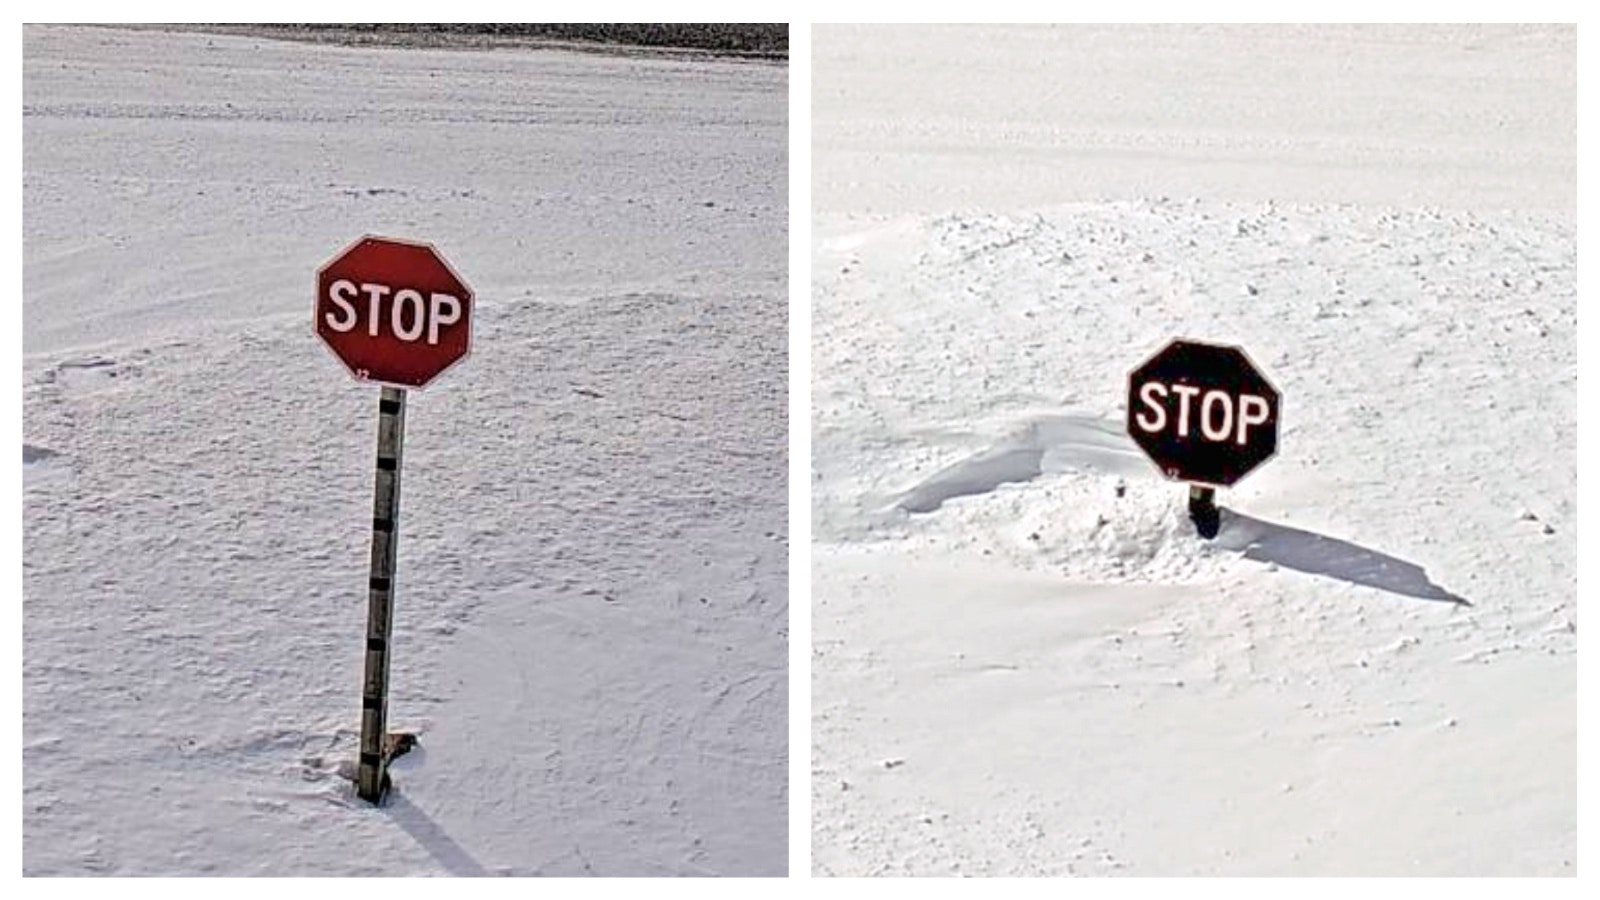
[[591, 617], [1025, 662]]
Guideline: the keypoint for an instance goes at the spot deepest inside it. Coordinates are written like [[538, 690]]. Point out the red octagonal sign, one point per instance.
[[393, 311]]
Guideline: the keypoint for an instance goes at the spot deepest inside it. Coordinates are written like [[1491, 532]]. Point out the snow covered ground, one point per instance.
[[591, 624], [1024, 661]]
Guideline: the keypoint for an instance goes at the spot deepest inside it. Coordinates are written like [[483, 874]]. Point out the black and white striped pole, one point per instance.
[[372, 776]]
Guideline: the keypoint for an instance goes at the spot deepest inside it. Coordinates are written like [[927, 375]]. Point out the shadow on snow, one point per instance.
[[453, 857], [1318, 554]]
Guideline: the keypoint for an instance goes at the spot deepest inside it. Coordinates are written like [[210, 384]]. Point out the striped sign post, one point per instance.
[[372, 774], [396, 314]]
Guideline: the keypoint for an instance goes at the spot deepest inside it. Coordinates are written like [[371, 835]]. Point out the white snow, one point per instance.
[[591, 620], [1025, 662]]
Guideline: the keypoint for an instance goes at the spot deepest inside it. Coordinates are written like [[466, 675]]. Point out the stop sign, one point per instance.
[[1203, 412], [393, 311]]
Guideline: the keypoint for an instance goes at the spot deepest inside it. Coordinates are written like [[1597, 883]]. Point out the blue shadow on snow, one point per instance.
[[453, 857], [1318, 554]]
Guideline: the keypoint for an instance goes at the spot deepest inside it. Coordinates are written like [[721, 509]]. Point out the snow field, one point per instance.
[[1024, 661], [591, 615], [1012, 607]]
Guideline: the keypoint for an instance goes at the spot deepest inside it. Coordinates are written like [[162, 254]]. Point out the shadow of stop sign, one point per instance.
[[393, 311], [1203, 412]]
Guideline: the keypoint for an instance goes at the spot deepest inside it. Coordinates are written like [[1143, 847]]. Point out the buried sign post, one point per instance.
[[1206, 415], [395, 314]]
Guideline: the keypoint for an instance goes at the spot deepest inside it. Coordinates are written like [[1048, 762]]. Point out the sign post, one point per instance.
[[1206, 415], [1203, 511], [397, 315], [371, 773]]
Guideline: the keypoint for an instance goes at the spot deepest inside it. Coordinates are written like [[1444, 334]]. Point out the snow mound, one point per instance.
[[1068, 494], [1085, 528], [1099, 529]]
